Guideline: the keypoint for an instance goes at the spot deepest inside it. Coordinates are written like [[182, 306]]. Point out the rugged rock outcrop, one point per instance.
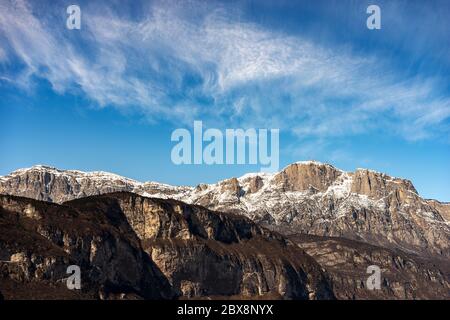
[[442, 207], [318, 199], [50, 184], [39, 240], [306, 176], [205, 253], [403, 276], [129, 246]]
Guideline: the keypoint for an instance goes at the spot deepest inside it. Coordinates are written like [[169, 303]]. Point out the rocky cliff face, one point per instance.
[[205, 253], [50, 184], [39, 240], [442, 207], [403, 275], [128, 246], [319, 199], [306, 176]]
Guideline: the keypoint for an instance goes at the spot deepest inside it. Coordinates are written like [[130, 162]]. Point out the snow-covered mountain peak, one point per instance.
[[305, 197]]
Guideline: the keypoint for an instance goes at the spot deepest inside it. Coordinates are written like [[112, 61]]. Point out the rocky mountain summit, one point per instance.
[[54, 185], [305, 197], [318, 199]]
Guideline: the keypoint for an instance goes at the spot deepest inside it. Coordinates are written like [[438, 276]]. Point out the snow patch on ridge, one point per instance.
[[341, 187], [96, 175]]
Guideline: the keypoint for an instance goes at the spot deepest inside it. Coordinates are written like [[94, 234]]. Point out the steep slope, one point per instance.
[[318, 199], [39, 240], [442, 207], [129, 246], [205, 253], [403, 276]]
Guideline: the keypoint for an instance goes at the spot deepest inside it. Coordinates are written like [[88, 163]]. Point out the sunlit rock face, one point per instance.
[[318, 199]]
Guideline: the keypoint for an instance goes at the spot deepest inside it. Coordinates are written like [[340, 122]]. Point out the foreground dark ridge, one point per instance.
[[130, 246], [136, 247]]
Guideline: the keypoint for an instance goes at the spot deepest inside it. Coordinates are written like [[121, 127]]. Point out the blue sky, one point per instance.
[[108, 96]]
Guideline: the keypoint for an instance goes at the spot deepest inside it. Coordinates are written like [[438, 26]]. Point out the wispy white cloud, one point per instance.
[[206, 65], [3, 55]]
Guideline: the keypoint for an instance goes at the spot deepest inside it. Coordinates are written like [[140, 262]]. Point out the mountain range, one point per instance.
[[308, 231]]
